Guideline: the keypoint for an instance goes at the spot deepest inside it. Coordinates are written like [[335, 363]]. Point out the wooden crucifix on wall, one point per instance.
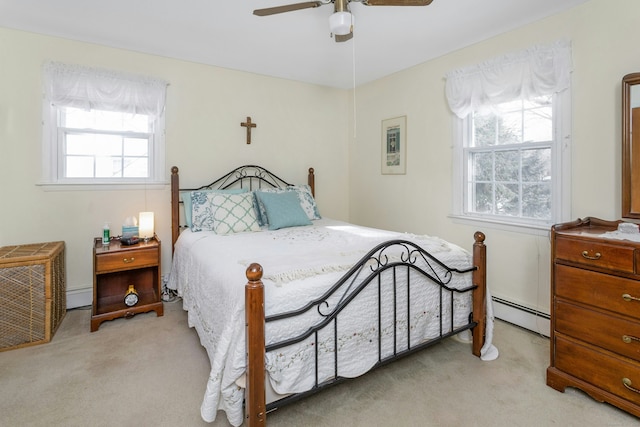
[[248, 125]]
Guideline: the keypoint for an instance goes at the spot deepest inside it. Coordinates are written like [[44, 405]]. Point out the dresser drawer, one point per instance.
[[598, 367], [614, 333], [596, 254], [126, 260], [597, 289]]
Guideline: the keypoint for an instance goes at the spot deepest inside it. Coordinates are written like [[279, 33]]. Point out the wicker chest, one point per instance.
[[33, 298]]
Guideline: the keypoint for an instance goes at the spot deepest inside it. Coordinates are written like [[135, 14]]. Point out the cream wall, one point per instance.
[[299, 126], [604, 42]]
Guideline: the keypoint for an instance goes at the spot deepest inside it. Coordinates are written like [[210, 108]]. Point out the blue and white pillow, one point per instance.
[[187, 195], [223, 213]]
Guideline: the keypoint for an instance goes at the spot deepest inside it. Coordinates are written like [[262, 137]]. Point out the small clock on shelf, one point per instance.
[[131, 297]]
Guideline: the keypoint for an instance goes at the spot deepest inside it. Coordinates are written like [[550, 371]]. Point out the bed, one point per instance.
[[323, 300]]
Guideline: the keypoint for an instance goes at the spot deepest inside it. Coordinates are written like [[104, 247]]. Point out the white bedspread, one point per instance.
[[299, 264]]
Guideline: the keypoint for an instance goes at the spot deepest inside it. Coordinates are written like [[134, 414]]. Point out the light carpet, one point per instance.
[[152, 370]]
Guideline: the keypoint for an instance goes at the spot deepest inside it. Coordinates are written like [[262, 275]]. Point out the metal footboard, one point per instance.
[[384, 266]]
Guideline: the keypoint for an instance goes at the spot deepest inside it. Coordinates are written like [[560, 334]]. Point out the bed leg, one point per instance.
[[254, 312], [480, 293], [175, 204]]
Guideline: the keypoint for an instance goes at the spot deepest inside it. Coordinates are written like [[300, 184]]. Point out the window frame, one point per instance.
[[560, 170], [54, 157]]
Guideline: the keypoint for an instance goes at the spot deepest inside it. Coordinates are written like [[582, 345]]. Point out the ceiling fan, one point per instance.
[[341, 21]]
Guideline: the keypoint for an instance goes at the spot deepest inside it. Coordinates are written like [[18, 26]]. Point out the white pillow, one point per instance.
[[186, 199], [224, 213]]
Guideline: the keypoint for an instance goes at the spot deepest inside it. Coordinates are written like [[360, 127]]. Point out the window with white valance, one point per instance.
[[102, 126], [513, 116]]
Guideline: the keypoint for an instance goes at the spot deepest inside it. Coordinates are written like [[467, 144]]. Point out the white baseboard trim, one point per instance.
[[79, 298], [525, 317]]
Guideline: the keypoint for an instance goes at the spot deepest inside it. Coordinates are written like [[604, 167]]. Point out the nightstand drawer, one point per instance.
[[126, 260], [614, 333], [597, 289], [596, 254], [598, 367]]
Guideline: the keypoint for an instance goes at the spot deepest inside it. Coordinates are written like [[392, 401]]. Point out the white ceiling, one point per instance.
[[295, 45]]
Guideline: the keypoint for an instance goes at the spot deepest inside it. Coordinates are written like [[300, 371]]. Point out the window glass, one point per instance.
[[509, 161], [104, 120], [105, 144]]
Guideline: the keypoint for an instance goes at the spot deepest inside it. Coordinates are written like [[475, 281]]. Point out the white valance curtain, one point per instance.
[[539, 70], [93, 88]]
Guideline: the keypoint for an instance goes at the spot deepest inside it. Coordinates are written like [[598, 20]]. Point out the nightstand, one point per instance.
[[115, 268]]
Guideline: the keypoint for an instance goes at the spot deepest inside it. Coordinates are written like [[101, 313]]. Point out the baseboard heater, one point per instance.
[[525, 317]]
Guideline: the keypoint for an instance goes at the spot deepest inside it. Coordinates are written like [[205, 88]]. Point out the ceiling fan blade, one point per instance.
[[287, 8], [397, 2], [338, 38]]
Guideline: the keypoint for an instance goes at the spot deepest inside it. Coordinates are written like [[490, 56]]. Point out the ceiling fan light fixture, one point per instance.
[[340, 23]]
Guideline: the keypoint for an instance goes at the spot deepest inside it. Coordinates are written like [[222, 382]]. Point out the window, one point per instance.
[[104, 144], [508, 161], [102, 127], [512, 164]]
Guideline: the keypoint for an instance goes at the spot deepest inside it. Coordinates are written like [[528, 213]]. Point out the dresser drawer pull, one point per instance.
[[627, 339], [586, 255], [128, 260], [628, 297], [627, 383]]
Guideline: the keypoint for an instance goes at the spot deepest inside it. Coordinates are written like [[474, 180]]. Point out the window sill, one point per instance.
[[102, 187], [524, 228]]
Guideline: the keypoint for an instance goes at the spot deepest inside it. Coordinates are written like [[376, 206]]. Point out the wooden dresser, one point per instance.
[[595, 313]]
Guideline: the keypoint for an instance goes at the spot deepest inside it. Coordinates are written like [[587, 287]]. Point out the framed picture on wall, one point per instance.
[[394, 146]]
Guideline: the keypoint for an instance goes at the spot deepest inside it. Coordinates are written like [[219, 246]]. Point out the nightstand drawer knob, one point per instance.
[[629, 385], [628, 297], [586, 255], [628, 339], [128, 260]]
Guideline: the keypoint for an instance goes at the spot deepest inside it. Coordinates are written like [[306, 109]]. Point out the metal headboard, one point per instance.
[[251, 177]]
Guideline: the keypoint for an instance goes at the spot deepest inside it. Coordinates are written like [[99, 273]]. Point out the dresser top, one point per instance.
[[594, 228]]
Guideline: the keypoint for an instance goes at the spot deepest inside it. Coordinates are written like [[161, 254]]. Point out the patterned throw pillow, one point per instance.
[[186, 200], [223, 213], [307, 202]]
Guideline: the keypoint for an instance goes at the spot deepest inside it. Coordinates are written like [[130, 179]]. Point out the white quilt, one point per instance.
[[299, 264]]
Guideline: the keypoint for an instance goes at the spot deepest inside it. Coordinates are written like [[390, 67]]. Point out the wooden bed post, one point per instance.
[[480, 293], [175, 204], [255, 405], [311, 180]]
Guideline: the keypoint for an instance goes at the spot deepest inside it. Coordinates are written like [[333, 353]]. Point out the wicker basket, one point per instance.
[[33, 298]]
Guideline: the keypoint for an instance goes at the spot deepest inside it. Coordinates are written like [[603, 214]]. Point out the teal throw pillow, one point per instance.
[[283, 209]]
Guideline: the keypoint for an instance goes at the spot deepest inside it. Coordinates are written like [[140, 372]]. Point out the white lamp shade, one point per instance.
[[145, 225], [340, 23]]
